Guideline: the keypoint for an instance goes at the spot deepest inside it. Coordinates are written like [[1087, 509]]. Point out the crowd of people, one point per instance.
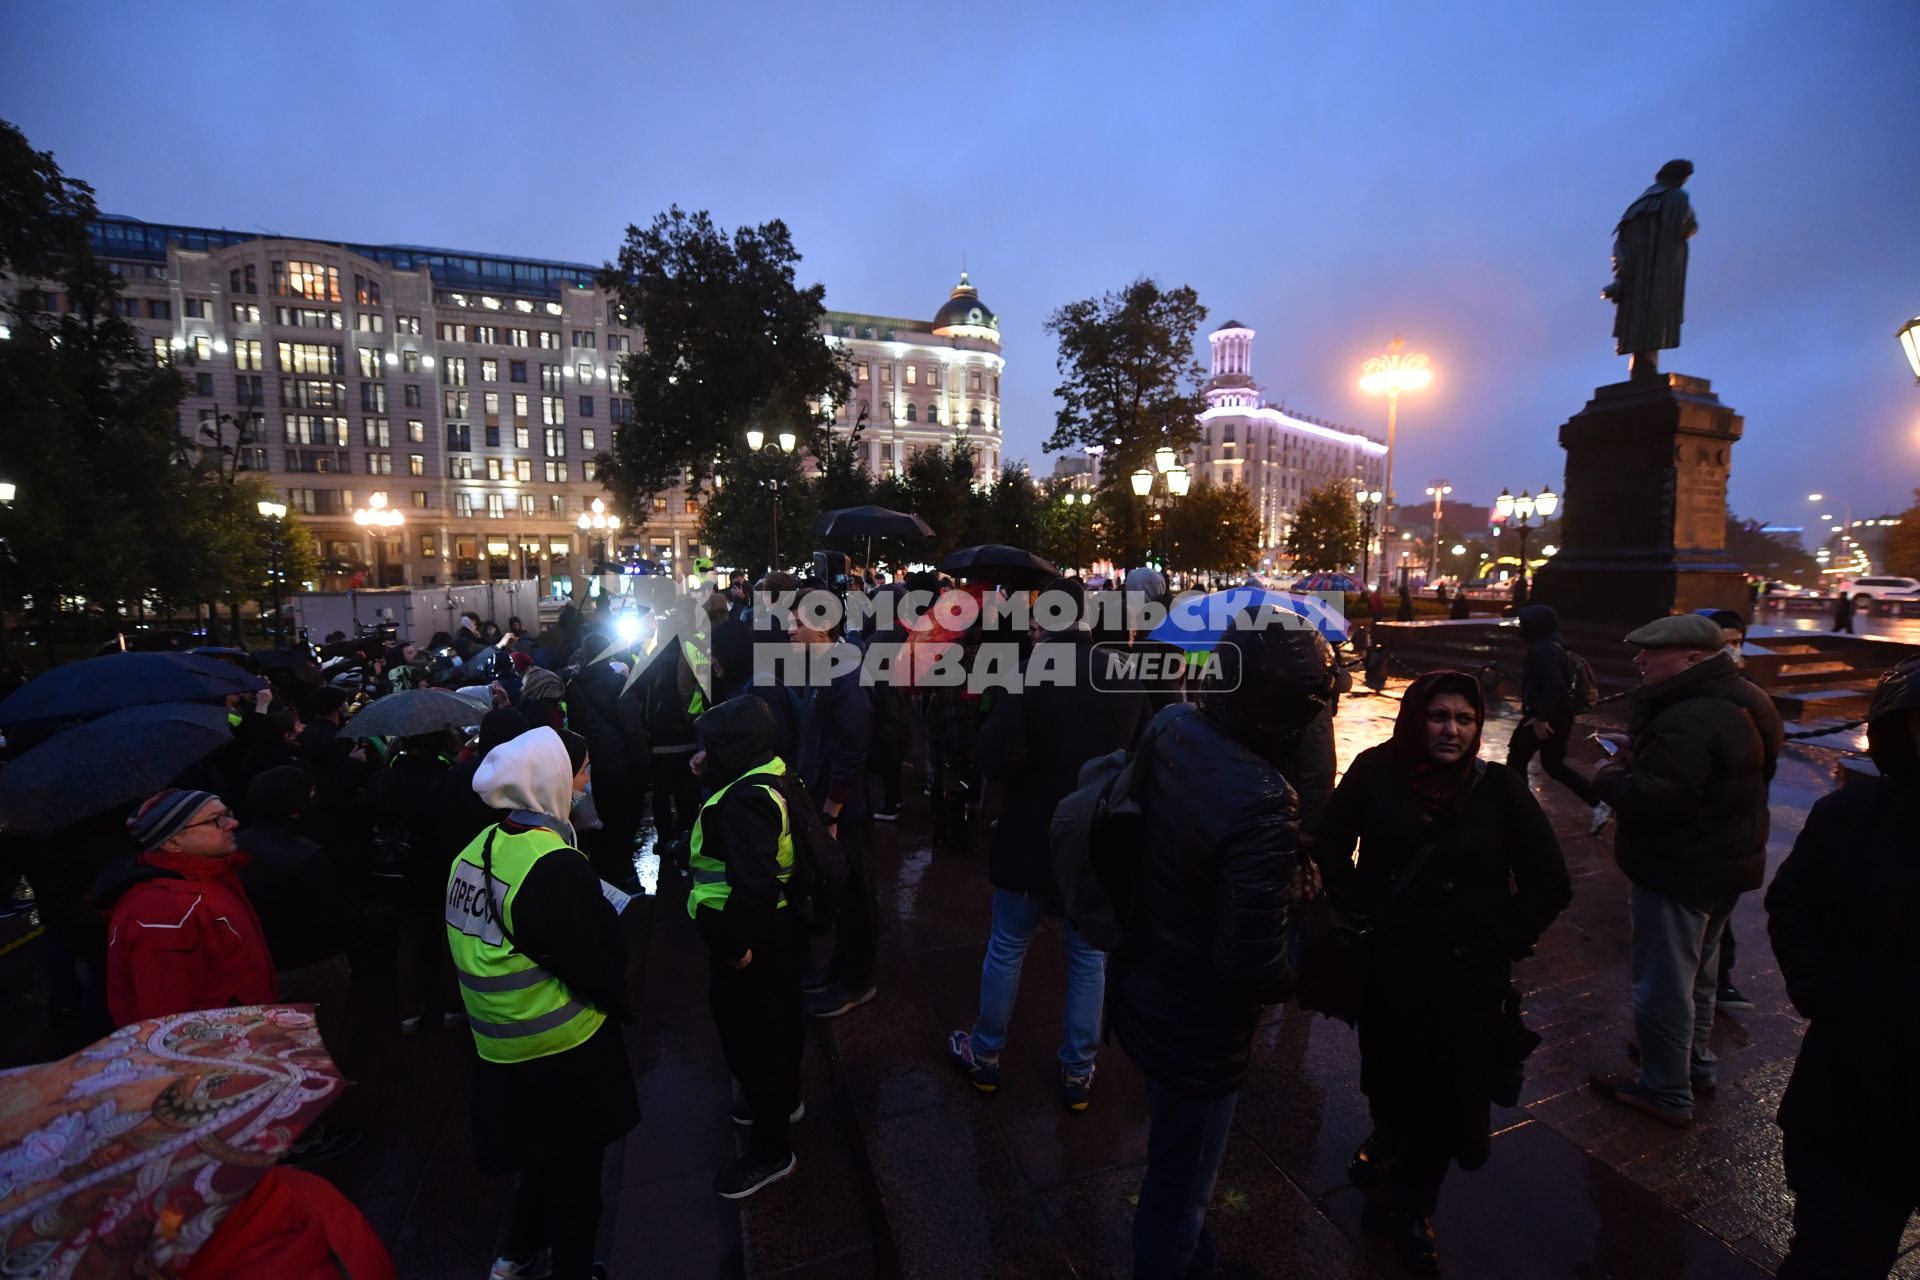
[[490, 864]]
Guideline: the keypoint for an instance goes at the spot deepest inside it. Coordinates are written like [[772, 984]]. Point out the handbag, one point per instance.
[[1333, 950], [1510, 1042]]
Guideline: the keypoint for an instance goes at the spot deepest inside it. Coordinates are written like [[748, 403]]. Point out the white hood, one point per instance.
[[530, 773]]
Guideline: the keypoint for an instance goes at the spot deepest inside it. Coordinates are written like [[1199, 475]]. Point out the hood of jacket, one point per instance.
[[1538, 622], [1889, 740], [530, 774], [1409, 741], [738, 735], [538, 682], [1275, 678]]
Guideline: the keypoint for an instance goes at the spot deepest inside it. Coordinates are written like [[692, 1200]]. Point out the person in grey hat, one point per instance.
[[1688, 782]]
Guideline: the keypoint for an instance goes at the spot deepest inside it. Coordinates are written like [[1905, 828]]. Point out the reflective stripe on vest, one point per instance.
[[697, 661], [516, 1009], [710, 887]]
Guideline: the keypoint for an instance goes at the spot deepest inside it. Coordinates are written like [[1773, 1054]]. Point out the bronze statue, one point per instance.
[[1650, 269]]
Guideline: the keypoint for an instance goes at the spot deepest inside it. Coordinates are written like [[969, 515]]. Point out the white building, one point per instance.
[[1279, 456]]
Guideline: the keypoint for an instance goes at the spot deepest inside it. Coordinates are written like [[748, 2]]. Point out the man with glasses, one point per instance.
[[182, 935]]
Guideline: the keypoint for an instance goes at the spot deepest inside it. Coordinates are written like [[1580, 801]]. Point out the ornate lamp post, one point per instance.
[[1077, 502], [378, 518], [785, 442], [602, 526], [1910, 343], [1389, 375], [275, 514], [1438, 491], [1159, 493], [1369, 500], [1523, 515]]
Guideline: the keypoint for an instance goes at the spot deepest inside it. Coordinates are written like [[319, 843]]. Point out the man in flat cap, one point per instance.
[[1688, 782]]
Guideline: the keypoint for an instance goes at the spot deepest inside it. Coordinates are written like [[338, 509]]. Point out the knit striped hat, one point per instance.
[[162, 816]]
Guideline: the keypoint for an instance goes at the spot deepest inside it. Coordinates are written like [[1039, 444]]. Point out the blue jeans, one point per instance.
[[1186, 1137], [1676, 971], [1015, 917]]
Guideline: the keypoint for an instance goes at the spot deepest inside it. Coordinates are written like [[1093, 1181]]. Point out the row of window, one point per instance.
[[915, 376]]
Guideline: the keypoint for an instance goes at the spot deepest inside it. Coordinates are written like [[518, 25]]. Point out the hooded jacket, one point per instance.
[[1844, 915], [1546, 674], [1692, 800], [741, 829], [181, 936]]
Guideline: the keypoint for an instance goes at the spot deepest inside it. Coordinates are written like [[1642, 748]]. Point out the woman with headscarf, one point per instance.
[[1459, 874], [542, 969]]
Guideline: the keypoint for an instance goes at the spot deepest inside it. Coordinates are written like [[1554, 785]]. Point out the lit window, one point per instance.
[[416, 464]]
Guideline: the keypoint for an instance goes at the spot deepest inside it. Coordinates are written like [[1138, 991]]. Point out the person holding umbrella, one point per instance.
[[181, 934]]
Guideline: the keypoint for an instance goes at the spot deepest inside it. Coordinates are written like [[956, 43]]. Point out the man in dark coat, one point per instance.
[[1689, 783], [606, 710], [1034, 741], [1546, 708], [1844, 913], [1220, 843]]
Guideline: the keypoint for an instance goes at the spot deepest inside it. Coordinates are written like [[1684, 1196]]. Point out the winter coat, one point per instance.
[[1844, 915], [400, 799], [181, 936], [1692, 801], [742, 830], [836, 732], [1547, 676], [296, 889], [1035, 740], [1220, 840], [606, 712]]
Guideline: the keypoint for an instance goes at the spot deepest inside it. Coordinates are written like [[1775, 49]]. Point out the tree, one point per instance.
[[729, 342], [1214, 529], [1903, 542], [1769, 554], [1014, 513], [1326, 530], [1129, 382], [843, 480], [737, 521], [940, 489]]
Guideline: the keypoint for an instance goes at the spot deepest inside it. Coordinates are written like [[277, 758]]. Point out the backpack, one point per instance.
[[1095, 844], [817, 888], [1583, 692]]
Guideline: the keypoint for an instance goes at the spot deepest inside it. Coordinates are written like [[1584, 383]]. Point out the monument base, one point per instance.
[[1644, 524]]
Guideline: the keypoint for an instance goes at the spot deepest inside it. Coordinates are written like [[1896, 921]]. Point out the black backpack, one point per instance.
[[1583, 692], [1095, 842], [817, 887]]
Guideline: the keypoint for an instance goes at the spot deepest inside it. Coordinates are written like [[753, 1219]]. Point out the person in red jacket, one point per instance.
[[181, 934]]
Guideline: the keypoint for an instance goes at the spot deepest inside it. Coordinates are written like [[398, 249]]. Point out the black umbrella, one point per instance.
[[123, 756], [870, 522], [411, 712], [999, 564], [94, 686]]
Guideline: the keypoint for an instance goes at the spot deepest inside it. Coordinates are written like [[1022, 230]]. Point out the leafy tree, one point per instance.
[[1326, 530], [737, 521], [843, 480], [1014, 510], [1214, 529], [729, 342], [1903, 542], [940, 489], [1771, 554], [1129, 383]]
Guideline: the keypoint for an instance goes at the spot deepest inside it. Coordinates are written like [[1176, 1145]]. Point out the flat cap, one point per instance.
[[1681, 631]]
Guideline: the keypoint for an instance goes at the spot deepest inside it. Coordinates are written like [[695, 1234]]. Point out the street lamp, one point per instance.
[[377, 517], [7, 492], [1369, 500], [784, 442], [1162, 491], [602, 526], [1910, 343], [1523, 515], [1438, 491], [273, 513], [1076, 502], [1389, 375]]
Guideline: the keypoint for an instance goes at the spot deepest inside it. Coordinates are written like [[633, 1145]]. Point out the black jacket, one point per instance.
[[741, 829], [1035, 740], [296, 890], [609, 715], [1844, 915], [1692, 801], [1547, 675], [836, 732], [1220, 840]]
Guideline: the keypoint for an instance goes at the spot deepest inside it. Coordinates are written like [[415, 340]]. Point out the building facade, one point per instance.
[[472, 393], [1278, 455]]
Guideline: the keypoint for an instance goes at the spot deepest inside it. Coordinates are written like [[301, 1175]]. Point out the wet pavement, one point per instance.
[[906, 1171]]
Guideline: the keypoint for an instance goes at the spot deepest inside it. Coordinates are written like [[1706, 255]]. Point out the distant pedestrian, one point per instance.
[[1221, 845], [1546, 709], [1034, 742], [1405, 611], [1843, 613], [1689, 785], [1460, 607], [1844, 912], [1458, 874]]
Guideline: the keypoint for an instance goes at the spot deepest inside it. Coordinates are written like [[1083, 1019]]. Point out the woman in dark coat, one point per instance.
[[1459, 873]]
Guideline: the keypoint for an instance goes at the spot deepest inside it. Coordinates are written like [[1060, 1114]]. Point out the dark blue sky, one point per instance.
[[1327, 173]]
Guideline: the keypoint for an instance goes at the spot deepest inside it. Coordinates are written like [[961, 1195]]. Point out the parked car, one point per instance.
[[1866, 590]]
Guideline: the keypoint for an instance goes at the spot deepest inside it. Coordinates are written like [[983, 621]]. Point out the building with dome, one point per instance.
[[1279, 455], [918, 382]]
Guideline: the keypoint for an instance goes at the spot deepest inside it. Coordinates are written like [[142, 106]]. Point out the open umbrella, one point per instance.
[[1197, 622], [1327, 582], [125, 755], [413, 711], [870, 522], [1000, 564], [122, 1159], [94, 686]]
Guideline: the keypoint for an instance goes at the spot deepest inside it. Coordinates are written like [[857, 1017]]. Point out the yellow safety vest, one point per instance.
[[518, 1010], [710, 887], [698, 662]]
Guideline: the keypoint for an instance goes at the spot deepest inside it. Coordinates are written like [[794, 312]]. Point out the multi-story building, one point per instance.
[[1280, 456], [471, 392]]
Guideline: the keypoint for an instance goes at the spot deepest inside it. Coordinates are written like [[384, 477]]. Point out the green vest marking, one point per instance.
[[710, 887], [517, 1010]]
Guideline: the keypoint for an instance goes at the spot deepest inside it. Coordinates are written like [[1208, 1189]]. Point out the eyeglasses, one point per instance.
[[225, 815]]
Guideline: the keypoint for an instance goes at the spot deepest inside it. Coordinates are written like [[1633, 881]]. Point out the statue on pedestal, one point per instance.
[[1650, 269]]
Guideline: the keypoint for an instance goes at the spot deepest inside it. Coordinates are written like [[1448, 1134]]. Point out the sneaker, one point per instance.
[[1076, 1088], [814, 983], [743, 1114], [1413, 1239], [1704, 1086], [451, 1020], [886, 815], [746, 1175], [410, 1026], [837, 1000], [1627, 1092], [536, 1268], [1602, 815], [982, 1071], [1729, 997]]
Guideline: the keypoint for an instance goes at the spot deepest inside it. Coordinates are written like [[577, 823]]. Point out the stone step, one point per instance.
[[1823, 704]]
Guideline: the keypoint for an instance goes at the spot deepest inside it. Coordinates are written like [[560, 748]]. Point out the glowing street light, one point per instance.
[[1164, 458], [1389, 375], [377, 518], [1523, 515], [1910, 343]]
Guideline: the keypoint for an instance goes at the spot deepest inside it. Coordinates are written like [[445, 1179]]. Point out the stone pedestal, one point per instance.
[[1643, 529]]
